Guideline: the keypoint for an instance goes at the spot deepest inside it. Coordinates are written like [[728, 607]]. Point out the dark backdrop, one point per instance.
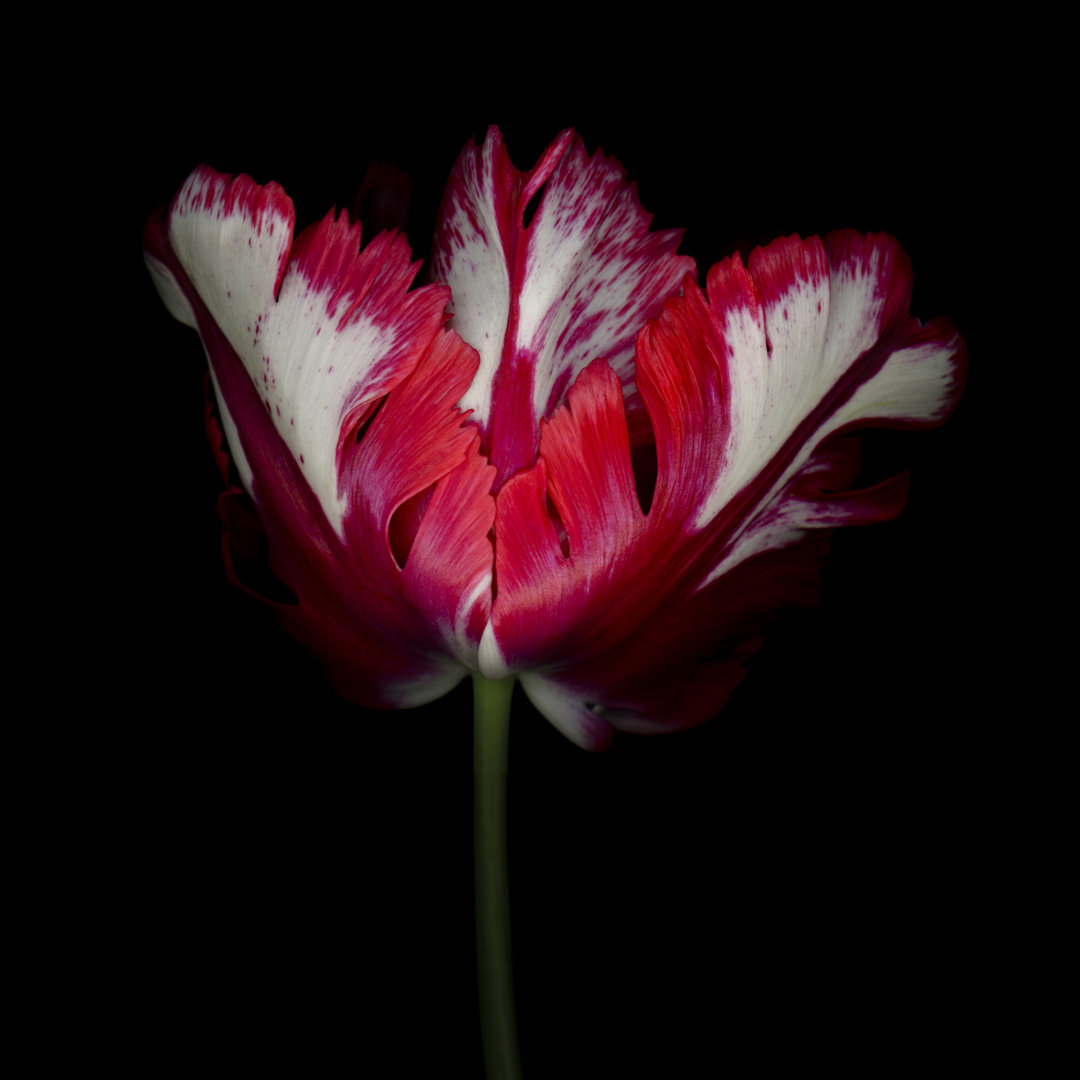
[[801, 879]]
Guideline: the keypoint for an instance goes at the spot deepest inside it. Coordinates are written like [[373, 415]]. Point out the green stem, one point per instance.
[[498, 1030]]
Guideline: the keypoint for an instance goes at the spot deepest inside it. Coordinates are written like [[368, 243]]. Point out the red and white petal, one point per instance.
[[322, 328], [540, 302], [646, 621], [476, 237], [398, 622], [394, 625], [395, 619], [805, 343]]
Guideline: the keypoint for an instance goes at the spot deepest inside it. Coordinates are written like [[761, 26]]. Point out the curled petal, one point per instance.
[[646, 620]]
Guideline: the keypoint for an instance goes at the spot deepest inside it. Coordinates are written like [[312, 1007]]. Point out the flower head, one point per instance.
[[566, 460]]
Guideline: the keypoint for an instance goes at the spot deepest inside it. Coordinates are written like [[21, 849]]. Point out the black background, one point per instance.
[[285, 879]]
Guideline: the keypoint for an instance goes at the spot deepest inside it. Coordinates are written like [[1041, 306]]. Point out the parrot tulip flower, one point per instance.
[[564, 460]]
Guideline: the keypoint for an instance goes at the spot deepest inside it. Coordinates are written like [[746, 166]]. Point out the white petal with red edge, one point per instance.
[[540, 302], [829, 355], [648, 621], [474, 250], [392, 592], [322, 328]]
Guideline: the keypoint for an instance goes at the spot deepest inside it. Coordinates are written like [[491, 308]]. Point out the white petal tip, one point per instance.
[[490, 658]]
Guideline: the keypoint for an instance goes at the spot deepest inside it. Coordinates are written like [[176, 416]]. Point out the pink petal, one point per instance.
[[647, 622], [540, 302]]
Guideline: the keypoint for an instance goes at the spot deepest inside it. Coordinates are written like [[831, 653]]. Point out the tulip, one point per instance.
[[564, 462], [382, 445]]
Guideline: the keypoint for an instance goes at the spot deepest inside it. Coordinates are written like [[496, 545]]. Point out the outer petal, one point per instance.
[[338, 393], [540, 302], [645, 623], [323, 330]]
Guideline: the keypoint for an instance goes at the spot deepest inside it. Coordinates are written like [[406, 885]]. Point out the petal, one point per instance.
[[412, 631], [418, 442], [340, 408], [539, 302], [323, 329], [647, 619]]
